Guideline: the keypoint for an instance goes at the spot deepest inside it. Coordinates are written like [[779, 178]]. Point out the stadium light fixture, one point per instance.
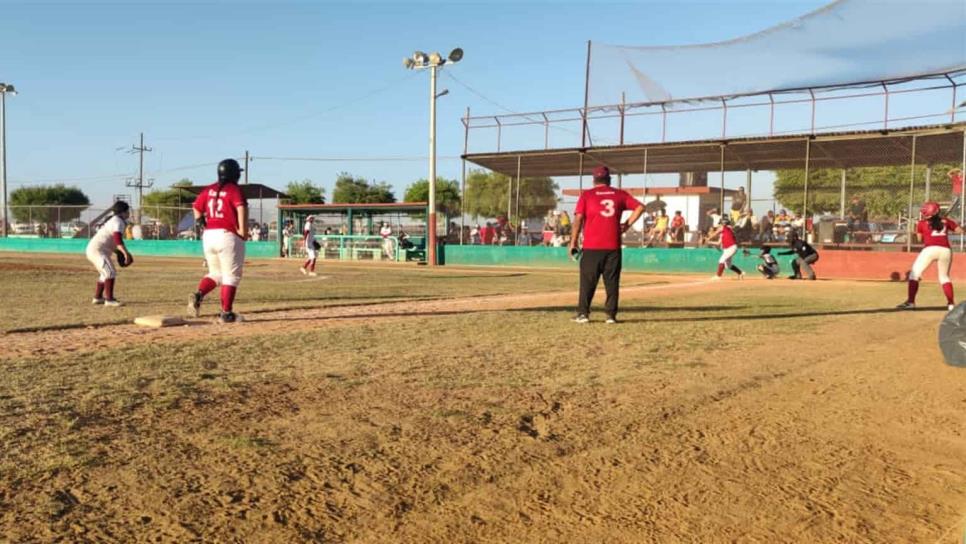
[[433, 61], [5, 89]]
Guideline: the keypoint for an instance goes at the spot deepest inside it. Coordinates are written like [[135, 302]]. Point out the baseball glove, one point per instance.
[[123, 261], [316, 245]]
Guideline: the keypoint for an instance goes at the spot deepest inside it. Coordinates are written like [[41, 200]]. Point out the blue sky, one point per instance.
[[286, 79]]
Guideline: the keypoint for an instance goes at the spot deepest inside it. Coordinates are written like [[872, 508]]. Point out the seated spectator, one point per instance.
[[660, 229], [677, 227], [766, 226]]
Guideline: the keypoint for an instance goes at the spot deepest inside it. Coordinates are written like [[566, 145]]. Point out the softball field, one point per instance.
[[402, 404]]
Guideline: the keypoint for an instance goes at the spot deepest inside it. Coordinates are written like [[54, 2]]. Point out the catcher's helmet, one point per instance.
[[929, 209], [229, 171]]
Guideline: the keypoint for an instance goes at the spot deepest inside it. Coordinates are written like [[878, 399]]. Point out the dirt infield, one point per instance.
[[732, 412]]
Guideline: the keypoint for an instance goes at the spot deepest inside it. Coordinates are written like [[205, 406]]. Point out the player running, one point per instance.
[[311, 247], [222, 209], [728, 248], [108, 240], [933, 231], [598, 213]]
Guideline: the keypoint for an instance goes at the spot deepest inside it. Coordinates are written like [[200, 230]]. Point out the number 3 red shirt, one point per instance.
[[601, 208], [220, 209]]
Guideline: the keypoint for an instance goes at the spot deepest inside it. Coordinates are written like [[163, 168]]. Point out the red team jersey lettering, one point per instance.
[[220, 209], [602, 207], [932, 237], [727, 237]]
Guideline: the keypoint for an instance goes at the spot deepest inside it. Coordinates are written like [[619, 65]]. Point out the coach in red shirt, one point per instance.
[[598, 213]]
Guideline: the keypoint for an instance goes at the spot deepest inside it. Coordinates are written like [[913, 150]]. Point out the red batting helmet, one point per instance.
[[929, 209]]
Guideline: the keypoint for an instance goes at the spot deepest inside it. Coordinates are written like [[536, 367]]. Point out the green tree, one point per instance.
[[168, 206], [48, 195], [305, 192], [352, 190], [447, 194], [487, 195], [884, 189]]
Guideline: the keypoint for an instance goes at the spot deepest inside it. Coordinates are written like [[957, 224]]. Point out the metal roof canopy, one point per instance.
[[935, 144], [377, 207], [249, 190]]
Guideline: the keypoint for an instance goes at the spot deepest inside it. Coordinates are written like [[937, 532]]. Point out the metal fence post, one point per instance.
[[912, 185]]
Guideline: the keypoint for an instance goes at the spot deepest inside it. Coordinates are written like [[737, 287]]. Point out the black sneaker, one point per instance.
[[194, 304], [227, 317]]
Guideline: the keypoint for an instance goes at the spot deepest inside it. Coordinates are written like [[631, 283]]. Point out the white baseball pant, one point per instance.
[[102, 262], [225, 255], [944, 258]]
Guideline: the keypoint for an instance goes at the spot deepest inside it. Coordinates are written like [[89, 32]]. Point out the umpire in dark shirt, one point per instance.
[[805, 256]]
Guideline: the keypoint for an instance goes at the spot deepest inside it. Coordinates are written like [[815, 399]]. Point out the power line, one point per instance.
[[355, 159]]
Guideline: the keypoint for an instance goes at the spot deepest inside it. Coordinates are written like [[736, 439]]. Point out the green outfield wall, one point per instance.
[[687, 260], [153, 248]]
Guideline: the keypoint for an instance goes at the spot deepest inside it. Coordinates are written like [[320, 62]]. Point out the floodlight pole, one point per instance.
[[4, 89], [431, 233]]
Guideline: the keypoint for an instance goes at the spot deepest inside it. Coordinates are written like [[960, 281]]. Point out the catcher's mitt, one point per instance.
[[122, 260], [316, 245]]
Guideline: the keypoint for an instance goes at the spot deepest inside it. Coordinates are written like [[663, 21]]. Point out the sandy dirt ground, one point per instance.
[[794, 440]]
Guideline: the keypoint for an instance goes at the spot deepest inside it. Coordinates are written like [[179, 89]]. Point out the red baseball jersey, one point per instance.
[[601, 208], [936, 237], [957, 181], [727, 237], [220, 207]]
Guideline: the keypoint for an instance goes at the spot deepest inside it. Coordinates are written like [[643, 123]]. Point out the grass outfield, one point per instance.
[[737, 411]]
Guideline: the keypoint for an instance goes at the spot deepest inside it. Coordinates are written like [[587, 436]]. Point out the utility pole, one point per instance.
[[139, 182], [247, 158]]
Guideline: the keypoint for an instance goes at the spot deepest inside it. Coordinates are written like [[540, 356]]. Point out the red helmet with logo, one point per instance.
[[929, 209]]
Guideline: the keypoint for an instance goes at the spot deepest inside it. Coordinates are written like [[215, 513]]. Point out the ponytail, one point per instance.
[[937, 223]]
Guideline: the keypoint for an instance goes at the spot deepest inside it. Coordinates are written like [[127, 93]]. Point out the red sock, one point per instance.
[[206, 285], [312, 266], [913, 289], [99, 292], [109, 289], [948, 290], [307, 263], [227, 297], [720, 269]]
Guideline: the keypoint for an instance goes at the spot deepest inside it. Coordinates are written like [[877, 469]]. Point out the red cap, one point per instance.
[[601, 172]]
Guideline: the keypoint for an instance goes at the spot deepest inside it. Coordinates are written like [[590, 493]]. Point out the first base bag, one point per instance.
[[952, 336]]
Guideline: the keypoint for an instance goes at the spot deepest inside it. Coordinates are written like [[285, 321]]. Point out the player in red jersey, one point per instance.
[[933, 231], [598, 213], [223, 211], [728, 248]]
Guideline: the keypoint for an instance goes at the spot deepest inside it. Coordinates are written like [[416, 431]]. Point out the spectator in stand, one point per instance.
[[783, 222], [713, 220], [956, 180], [475, 234], [659, 233], [677, 227], [488, 233], [565, 225], [739, 203], [744, 229], [858, 220], [766, 227]]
